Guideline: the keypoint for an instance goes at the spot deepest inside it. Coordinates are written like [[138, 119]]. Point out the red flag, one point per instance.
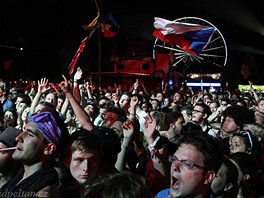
[[78, 52]]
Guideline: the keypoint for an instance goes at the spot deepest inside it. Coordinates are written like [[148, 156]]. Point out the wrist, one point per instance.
[[153, 144], [124, 146]]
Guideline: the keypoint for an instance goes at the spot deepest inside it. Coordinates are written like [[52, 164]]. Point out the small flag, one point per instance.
[[191, 38], [109, 26], [94, 24]]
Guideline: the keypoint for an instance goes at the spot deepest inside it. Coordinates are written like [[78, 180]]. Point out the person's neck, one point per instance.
[[2, 98], [203, 123], [31, 169]]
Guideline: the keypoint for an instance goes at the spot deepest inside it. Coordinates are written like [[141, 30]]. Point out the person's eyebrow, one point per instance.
[[33, 132]]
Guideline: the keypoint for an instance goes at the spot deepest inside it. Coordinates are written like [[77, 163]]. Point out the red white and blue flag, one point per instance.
[[191, 38]]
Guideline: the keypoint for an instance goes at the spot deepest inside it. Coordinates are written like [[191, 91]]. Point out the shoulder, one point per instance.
[[51, 191], [8, 103], [163, 194], [72, 191]]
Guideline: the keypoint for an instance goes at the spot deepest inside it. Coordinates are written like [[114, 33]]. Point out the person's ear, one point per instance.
[[228, 187], [49, 149], [172, 125], [209, 177]]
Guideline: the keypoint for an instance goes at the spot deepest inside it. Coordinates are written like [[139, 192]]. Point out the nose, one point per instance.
[[176, 166], [231, 146], [20, 137], [85, 165]]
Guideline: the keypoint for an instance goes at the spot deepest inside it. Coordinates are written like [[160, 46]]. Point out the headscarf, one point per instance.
[[47, 125]]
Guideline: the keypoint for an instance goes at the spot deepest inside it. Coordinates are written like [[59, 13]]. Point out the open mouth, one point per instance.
[[175, 185]]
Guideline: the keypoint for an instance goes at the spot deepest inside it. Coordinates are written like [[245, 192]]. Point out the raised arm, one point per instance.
[[256, 97], [128, 130], [80, 113], [149, 129], [42, 88], [65, 107], [88, 87], [76, 90], [135, 87]]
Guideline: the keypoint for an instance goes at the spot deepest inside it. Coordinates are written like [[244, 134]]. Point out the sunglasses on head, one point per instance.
[[248, 134]]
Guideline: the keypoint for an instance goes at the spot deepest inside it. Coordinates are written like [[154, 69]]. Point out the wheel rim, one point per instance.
[[212, 58]]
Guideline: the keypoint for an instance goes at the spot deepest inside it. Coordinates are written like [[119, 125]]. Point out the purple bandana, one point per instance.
[[48, 126]]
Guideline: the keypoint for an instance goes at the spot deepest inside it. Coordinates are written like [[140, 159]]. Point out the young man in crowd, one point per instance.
[[200, 114], [194, 166], [85, 153], [37, 148]]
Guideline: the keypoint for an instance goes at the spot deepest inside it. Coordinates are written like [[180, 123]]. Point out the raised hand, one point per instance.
[[136, 85], [43, 85], [134, 101], [128, 129], [149, 127], [64, 85], [78, 74]]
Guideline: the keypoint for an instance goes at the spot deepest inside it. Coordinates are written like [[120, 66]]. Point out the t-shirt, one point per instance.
[[163, 194]]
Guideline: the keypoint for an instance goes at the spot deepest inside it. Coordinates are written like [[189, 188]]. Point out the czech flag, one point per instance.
[[191, 38]]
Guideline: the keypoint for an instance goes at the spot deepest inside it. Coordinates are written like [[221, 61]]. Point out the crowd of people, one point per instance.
[[76, 139]]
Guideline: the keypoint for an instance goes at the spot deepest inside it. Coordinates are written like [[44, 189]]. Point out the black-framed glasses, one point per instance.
[[197, 111], [246, 133], [188, 165]]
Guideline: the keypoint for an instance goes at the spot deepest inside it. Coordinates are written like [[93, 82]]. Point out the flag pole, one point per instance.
[[202, 84], [99, 56]]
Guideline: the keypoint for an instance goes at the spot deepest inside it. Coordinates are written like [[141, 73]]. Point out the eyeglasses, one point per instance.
[[249, 137], [197, 111], [185, 164]]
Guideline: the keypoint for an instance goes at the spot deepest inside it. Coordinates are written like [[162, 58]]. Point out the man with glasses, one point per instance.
[[194, 166], [200, 114]]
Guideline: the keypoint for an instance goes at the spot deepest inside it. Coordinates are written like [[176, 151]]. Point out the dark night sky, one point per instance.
[[51, 31]]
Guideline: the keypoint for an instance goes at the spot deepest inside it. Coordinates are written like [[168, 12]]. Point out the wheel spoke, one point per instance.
[[215, 39], [213, 48], [170, 48], [213, 54], [181, 60]]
